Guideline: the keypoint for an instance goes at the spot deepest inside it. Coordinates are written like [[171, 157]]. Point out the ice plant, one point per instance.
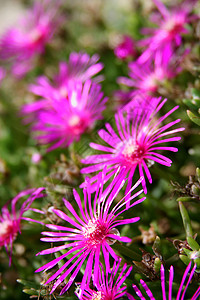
[[110, 286], [80, 67], [22, 43], [172, 23], [182, 291], [10, 222], [138, 142], [126, 48], [67, 119], [148, 77], [89, 232]]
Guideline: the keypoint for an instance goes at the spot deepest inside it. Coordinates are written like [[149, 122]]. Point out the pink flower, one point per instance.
[[137, 143], [171, 25], [147, 77], [20, 45], [68, 118], [108, 287], [80, 67], [122, 98], [89, 232], [10, 222], [180, 295], [126, 48]]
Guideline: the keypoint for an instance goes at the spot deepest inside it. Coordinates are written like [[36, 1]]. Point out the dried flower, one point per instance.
[[108, 286], [10, 222], [137, 144], [20, 45], [89, 233], [180, 295]]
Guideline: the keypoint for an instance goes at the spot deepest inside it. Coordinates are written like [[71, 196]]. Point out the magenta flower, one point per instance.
[[80, 67], [88, 233], [122, 98], [126, 48], [148, 77], [108, 287], [182, 289], [67, 119], [20, 45], [171, 25], [10, 222], [137, 143]]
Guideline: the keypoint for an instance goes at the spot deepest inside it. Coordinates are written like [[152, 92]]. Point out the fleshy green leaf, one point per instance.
[[184, 199], [193, 117], [193, 244], [29, 284], [186, 220], [157, 264], [185, 259]]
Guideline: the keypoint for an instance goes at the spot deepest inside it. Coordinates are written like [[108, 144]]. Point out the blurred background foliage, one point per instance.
[[97, 27]]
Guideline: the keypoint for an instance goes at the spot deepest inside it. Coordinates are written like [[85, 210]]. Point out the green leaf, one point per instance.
[[197, 262], [193, 244], [185, 259], [195, 93], [184, 199], [31, 292], [29, 284], [187, 252], [141, 266], [186, 220], [157, 264], [126, 251], [157, 246], [193, 117], [198, 174], [190, 104]]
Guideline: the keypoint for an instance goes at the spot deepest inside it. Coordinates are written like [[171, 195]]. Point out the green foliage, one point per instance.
[[168, 236]]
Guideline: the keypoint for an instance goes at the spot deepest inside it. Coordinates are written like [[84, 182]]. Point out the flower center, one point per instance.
[[133, 152], [7, 230], [97, 296], [63, 91], [95, 232], [38, 35], [174, 24], [105, 295], [151, 83], [77, 124]]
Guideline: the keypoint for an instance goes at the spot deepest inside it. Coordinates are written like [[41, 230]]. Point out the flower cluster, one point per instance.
[[137, 143], [162, 57], [171, 25], [142, 132], [71, 105], [181, 291], [10, 222], [108, 287], [147, 77], [90, 233], [21, 44]]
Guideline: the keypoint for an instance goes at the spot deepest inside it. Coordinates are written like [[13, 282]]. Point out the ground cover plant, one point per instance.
[[100, 148]]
